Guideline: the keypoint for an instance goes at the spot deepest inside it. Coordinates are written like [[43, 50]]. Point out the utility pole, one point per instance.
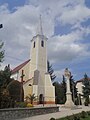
[[21, 94]]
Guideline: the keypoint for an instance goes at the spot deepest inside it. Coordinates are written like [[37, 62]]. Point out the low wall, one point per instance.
[[16, 113]]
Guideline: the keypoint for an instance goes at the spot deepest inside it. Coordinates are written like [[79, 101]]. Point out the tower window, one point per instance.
[[42, 43], [34, 45]]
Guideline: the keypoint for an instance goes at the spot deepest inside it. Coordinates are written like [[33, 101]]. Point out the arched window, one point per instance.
[[42, 43], [34, 45]]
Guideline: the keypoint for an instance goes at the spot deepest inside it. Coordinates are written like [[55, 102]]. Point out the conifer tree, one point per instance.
[[73, 88], [63, 86], [5, 76], [60, 91], [86, 87], [57, 92], [51, 71]]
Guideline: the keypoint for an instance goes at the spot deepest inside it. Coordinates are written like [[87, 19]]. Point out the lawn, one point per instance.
[[80, 116], [87, 118]]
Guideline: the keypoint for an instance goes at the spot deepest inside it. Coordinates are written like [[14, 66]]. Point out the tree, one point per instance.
[[31, 98], [1, 52], [5, 76], [57, 92], [4, 81], [73, 88], [63, 86], [86, 87], [51, 71], [60, 91], [14, 88], [5, 100]]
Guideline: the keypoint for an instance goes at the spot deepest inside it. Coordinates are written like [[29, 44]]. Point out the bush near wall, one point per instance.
[[21, 104], [29, 105]]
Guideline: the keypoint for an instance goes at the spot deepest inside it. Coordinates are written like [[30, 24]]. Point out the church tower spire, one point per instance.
[[39, 50], [38, 67], [41, 30]]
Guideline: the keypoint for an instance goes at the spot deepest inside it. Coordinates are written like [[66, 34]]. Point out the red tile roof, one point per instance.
[[81, 80], [19, 67]]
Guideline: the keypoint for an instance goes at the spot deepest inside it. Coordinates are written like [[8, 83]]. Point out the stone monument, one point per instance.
[[69, 103]]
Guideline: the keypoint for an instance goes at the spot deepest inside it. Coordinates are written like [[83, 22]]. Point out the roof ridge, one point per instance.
[[82, 80], [19, 66]]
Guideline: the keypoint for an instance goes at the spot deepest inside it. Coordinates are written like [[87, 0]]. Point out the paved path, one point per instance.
[[62, 113]]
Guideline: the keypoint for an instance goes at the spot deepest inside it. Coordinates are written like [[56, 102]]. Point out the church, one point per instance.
[[36, 79]]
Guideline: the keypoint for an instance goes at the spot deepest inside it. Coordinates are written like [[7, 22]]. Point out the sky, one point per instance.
[[66, 23]]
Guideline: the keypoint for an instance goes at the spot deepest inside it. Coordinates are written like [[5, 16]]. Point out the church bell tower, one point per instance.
[[41, 81]]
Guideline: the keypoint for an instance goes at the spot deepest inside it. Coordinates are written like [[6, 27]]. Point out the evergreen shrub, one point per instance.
[[83, 114], [76, 117], [29, 105], [21, 104]]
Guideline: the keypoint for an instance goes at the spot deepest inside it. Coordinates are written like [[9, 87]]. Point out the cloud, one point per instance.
[[68, 47], [19, 28], [21, 25], [75, 15]]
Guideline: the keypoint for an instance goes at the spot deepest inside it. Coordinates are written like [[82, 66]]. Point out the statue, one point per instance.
[[69, 103]]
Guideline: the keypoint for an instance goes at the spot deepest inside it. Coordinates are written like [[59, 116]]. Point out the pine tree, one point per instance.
[[60, 91], [73, 88], [63, 86], [5, 76], [86, 87], [5, 99], [51, 71]]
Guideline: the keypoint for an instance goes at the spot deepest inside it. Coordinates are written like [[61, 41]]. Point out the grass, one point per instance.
[[87, 118], [80, 116]]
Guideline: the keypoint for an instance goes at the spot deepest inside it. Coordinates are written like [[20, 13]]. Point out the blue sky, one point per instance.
[[12, 3], [67, 27]]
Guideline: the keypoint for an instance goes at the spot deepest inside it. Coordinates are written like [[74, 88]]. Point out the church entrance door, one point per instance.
[[41, 99]]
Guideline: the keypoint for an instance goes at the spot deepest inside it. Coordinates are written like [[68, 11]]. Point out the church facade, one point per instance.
[[36, 79]]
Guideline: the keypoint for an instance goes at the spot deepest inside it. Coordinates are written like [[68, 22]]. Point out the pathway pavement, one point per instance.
[[62, 113]]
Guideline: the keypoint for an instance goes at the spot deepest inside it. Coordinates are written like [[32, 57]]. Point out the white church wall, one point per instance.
[[26, 72], [49, 89], [35, 90], [27, 89]]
